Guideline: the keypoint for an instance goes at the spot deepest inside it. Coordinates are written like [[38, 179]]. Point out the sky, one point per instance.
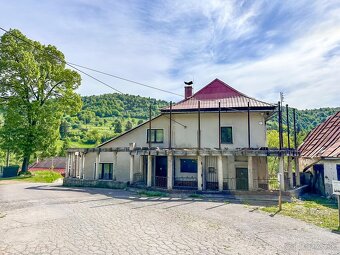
[[258, 47]]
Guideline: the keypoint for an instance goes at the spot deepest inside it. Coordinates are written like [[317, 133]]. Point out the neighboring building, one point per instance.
[[57, 164], [213, 139], [320, 153]]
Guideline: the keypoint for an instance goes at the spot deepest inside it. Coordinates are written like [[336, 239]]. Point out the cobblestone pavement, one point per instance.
[[49, 219]]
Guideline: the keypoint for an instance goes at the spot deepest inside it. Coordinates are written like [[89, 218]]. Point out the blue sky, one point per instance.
[[258, 47]]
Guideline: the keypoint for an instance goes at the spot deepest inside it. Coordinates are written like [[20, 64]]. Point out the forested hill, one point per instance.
[[105, 116], [121, 105]]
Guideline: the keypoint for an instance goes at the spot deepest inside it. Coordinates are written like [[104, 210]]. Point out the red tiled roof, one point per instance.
[[58, 162], [324, 140], [215, 92]]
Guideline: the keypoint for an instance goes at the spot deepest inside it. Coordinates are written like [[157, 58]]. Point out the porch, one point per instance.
[[191, 169]]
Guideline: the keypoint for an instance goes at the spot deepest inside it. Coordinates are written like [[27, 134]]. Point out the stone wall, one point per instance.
[[74, 182]]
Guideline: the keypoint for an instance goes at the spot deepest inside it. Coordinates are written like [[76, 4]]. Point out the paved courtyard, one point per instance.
[[50, 219]]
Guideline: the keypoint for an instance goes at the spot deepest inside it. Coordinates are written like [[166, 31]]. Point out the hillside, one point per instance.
[[106, 116]]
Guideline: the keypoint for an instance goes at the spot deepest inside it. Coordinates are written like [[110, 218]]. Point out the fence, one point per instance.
[[185, 182], [161, 181]]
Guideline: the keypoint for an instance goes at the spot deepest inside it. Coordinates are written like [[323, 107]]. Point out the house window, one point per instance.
[[188, 165], [157, 136], [105, 171], [227, 135], [338, 171]]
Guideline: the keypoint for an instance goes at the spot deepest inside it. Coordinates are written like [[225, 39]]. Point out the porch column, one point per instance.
[[297, 171], [72, 164], [132, 161], [290, 172], [67, 170], [149, 172], [231, 173], [170, 172], [281, 171], [199, 173], [83, 166], [141, 164], [220, 172], [250, 173], [96, 169], [114, 165]]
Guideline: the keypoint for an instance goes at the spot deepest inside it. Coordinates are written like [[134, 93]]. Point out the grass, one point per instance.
[[149, 193], [194, 195], [318, 211], [37, 176]]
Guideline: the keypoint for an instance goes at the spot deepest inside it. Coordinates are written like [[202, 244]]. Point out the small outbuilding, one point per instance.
[[57, 164], [320, 155]]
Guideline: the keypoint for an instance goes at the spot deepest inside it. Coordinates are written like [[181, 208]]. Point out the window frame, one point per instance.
[[154, 135], [232, 135]]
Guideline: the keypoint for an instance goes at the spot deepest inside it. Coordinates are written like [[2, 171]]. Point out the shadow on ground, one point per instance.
[[134, 196]]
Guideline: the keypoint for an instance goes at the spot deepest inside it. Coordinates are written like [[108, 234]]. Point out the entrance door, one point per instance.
[[318, 179], [161, 171], [242, 179]]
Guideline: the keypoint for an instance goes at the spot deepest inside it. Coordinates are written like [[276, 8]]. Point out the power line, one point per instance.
[[128, 80], [73, 65]]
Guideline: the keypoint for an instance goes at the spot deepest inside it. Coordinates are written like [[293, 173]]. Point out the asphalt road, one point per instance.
[[50, 219]]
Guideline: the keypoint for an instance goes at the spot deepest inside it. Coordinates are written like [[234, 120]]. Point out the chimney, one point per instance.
[[188, 91]]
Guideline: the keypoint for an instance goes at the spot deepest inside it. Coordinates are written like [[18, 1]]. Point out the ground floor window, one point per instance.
[[338, 171], [105, 171], [188, 165]]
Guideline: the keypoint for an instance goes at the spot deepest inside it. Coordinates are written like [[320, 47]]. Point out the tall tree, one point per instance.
[[36, 91]]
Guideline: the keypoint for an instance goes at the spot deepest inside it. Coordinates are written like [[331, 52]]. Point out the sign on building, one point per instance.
[[336, 187]]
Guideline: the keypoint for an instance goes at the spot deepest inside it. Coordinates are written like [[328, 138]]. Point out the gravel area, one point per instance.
[[50, 219]]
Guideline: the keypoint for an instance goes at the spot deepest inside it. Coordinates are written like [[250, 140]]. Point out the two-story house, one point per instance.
[[213, 139]]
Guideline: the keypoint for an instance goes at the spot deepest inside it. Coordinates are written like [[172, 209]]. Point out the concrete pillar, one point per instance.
[[199, 173], [220, 172], [114, 165], [72, 165], [231, 173], [141, 164], [250, 173], [170, 172], [96, 169], [149, 172], [83, 166], [281, 171], [67, 170], [297, 171], [290, 172], [132, 165]]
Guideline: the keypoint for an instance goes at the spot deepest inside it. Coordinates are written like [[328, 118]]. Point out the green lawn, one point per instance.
[[318, 211], [37, 176]]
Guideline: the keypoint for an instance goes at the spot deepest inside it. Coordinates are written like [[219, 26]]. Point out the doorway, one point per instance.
[[161, 171], [242, 179]]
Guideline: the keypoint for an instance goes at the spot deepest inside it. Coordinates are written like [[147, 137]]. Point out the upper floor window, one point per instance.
[[227, 135], [157, 136]]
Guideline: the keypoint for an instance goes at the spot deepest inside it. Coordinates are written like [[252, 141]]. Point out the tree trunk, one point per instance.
[[25, 163]]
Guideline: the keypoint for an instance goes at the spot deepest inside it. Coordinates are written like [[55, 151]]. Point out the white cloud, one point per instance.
[[259, 47]]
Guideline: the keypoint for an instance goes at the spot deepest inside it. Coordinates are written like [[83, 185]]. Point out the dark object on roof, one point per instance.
[[188, 82], [215, 92], [56, 162], [324, 140]]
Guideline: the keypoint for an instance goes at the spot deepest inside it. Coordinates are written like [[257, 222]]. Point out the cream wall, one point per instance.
[[184, 138], [187, 137], [330, 173]]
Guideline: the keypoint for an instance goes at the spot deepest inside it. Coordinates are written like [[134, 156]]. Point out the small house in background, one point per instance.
[[57, 164], [320, 155]]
